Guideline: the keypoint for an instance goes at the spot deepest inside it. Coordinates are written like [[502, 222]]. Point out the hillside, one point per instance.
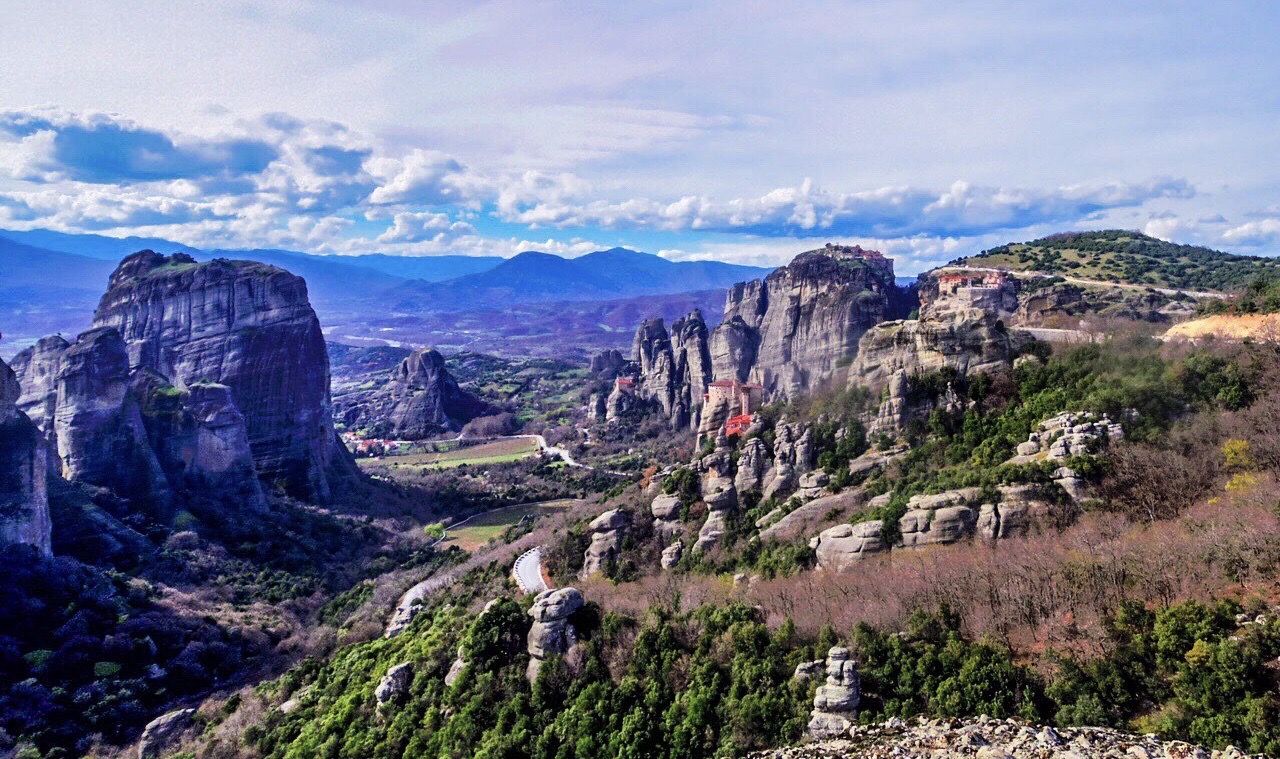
[[1128, 257]]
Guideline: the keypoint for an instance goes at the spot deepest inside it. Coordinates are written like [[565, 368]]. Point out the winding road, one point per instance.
[[528, 571]]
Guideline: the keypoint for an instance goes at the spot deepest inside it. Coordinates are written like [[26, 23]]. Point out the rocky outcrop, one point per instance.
[[420, 400], [960, 328], [802, 323], [792, 456], [102, 440], [37, 370], [608, 365], [666, 510], [162, 734], [1068, 434], [607, 532], [394, 684], [673, 368], [938, 519], [200, 440], [672, 554], [552, 633], [835, 706], [24, 470], [719, 494], [840, 546], [250, 327], [753, 463]]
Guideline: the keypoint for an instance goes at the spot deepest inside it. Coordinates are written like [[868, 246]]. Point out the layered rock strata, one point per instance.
[[835, 705]]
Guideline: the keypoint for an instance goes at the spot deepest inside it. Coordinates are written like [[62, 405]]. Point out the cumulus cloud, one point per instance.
[[808, 211], [1254, 233], [409, 226]]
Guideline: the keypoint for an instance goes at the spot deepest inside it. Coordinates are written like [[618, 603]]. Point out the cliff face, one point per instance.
[[798, 326], [674, 367], [24, 500], [37, 371], [249, 327], [421, 399]]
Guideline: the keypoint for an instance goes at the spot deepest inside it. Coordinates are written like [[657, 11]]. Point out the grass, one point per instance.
[[495, 452], [490, 525]]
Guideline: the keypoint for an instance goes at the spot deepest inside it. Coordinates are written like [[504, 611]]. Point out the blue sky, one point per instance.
[[744, 132]]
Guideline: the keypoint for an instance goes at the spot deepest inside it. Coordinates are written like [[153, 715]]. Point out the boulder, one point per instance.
[[921, 527], [813, 484], [845, 544], [394, 684], [672, 554], [666, 511], [161, 734]]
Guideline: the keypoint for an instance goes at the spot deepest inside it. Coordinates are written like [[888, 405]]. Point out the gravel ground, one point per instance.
[[986, 738]]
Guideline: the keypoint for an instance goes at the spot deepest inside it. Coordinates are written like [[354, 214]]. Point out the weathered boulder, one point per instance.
[[921, 527], [814, 516], [721, 497], [672, 554], [394, 684], [807, 670], [801, 324], [666, 514], [552, 633], [250, 327], [456, 669], [835, 706], [844, 544], [813, 484], [162, 733], [607, 532], [24, 471]]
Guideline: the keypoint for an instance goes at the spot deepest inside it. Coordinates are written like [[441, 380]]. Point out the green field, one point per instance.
[[490, 525], [495, 452]]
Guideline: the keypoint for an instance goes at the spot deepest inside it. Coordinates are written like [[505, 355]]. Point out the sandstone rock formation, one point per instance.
[[792, 456], [102, 440], [719, 494], [799, 325], [250, 327], [838, 547], [608, 365], [960, 327], [835, 706], [672, 554], [37, 370], [673, 367], [753, 463], [24, 469], [666, 514], [607, 532], [552, 633], [421, 400]]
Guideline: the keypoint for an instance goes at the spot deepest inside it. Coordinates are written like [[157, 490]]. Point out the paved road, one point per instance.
[[528, 571]]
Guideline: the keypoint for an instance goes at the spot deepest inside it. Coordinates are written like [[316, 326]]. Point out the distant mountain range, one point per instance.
[[50, 281]]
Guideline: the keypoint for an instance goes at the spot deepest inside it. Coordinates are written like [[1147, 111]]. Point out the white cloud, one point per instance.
[[410, 227], [1254, 233]]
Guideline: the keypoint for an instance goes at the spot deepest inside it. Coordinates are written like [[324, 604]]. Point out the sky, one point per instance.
[[743, 132]]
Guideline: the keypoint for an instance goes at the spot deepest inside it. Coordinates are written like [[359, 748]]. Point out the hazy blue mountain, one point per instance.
[[540, 277], [329, 278], [429, 268], [94, 246]]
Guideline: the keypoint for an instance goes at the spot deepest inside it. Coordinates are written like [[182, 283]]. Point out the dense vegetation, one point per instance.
[[717, 682], [1130, 257]]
